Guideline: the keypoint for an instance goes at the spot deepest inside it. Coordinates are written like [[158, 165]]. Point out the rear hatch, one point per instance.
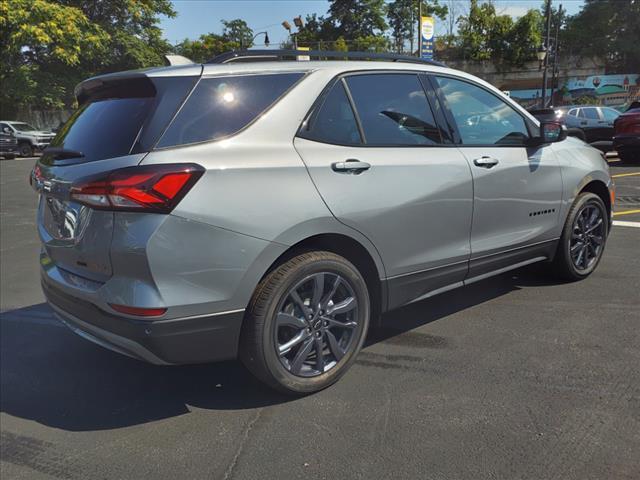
[[119, 119]]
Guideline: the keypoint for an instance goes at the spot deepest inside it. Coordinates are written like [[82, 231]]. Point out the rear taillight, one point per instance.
[[138, 311], [149, 188]]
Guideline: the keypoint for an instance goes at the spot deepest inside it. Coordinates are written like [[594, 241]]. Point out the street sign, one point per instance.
[[304, 58], [427, 28]]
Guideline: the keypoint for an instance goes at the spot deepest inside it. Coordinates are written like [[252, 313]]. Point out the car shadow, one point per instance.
[[51, 376]]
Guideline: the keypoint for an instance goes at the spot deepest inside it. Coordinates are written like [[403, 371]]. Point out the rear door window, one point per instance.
[[393, 109], [221, 106], [591, 113], [335, 121]]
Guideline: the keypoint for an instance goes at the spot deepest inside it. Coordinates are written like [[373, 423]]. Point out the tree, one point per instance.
[[49, 46], [485, 35], [206, 47], [403, 19], [316, 31], [237, 31], [42, 44], [522, 39], [357, 18], [474, 30], [607, 29], [135, 38]]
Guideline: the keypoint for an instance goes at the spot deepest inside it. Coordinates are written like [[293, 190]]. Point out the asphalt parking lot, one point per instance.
[[518, 377]]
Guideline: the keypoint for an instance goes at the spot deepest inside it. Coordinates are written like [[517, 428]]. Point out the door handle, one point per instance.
[[351, 165], [486, 162], [583, 123]]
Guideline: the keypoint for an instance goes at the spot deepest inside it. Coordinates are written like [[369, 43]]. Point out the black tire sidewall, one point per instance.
[[279, 373], [26, 150], [567, 266]]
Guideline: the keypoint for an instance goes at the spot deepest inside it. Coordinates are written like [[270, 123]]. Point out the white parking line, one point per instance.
[[618, 223]]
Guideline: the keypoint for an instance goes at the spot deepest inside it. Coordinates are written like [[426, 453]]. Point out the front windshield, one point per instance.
[[23, 127]]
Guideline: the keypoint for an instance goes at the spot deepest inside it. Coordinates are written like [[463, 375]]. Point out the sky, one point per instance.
[[196, 17]]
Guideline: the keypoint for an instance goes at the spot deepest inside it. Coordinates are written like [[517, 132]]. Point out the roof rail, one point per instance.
[[284, 55]]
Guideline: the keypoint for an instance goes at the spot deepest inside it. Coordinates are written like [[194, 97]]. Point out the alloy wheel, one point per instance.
[[587, 237], [316, 324]]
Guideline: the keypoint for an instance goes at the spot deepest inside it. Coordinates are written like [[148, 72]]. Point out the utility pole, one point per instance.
[[419, 28], [546, 58], [555, 74]]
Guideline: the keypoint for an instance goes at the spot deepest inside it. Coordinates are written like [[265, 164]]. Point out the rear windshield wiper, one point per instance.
[[60, 153]]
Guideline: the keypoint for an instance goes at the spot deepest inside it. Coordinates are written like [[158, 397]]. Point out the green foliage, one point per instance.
[[237, 31], [403, 19], [41, 43], [358, 18], [371, 43], [585, 100], [485, 35], [49, 46], [607, 29], [316, 30], [206, 47], [235, 35], [340, 45]]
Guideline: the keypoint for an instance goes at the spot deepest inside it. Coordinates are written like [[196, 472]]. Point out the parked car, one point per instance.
[[8, 143], [595, 122], [30, 139], [627, 134], [287, 204], [551, 115]]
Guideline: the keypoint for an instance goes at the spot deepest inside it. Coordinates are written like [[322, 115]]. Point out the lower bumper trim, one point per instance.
[[187, 340]]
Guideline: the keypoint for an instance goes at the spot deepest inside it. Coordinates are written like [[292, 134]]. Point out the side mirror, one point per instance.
[[6, 130], [550, 132]]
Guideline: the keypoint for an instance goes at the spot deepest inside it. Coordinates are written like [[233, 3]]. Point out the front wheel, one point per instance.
[[26, 150], [583, 238], [306, 323]]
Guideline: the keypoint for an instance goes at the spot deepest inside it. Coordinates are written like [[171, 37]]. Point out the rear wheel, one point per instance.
[[583, 238], [26, 150], [306, 323]]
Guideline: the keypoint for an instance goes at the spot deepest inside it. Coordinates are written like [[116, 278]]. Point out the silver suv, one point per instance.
[[272, 211]]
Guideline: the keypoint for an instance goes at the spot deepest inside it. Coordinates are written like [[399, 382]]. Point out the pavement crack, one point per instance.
[[245, 436]]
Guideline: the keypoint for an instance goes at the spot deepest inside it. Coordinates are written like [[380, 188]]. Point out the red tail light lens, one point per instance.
[[140, 312], [149, 188]]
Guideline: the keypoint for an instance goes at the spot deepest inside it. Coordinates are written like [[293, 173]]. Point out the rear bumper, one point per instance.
[[198, 339]]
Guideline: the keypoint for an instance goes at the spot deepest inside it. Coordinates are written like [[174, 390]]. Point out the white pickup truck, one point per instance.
[[29, 138]]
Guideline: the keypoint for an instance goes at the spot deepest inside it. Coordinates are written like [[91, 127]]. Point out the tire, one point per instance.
[[576, 237], [26, 150], [275, 321], [10, 156], [629, 155]]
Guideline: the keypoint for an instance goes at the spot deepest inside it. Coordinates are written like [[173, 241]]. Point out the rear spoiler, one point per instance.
[[177, 60], [137, 78]]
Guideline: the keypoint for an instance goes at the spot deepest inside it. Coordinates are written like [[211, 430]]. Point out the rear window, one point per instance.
[[221, 106], [105, 128], [121, 117]]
